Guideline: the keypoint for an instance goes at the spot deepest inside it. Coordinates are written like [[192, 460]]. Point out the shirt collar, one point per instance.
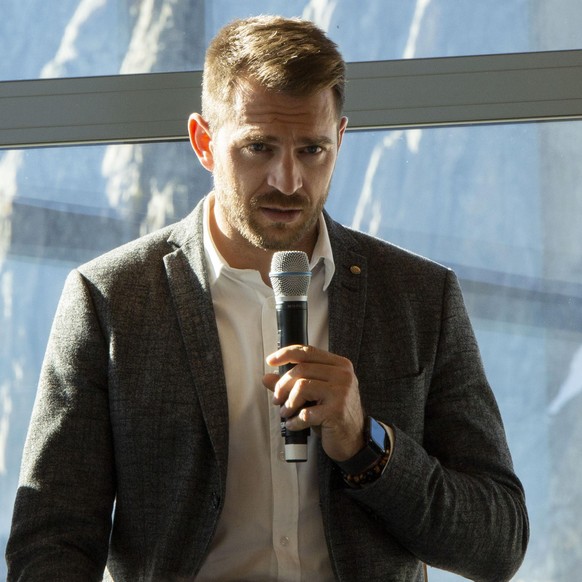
[[322, 252], [214, 259]]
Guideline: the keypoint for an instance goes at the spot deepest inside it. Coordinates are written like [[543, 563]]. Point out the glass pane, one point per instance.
[[500, 204], [105, 37], [58, 208]]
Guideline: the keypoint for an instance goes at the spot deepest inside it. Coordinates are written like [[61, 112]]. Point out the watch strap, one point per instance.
[[373, 451]]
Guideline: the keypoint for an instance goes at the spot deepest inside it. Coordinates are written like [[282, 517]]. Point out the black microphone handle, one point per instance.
[[292, 327]]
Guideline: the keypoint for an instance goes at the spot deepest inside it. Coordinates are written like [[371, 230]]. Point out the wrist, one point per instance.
[[368, 463], [371, 474]]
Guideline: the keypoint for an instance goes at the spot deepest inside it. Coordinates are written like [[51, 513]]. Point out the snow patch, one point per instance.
[[67, 52]]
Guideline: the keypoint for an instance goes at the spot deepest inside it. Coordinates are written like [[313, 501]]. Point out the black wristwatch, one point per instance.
[[377, 446]]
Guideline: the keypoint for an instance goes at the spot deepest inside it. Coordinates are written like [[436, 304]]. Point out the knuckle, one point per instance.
[[347, 365], [302, 384]]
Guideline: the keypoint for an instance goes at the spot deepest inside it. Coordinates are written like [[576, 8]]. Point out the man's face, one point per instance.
[[272, 164]]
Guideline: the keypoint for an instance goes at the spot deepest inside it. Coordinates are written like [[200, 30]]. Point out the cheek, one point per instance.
[[225, 174], [249, 179], [319, 177], [241, 172]]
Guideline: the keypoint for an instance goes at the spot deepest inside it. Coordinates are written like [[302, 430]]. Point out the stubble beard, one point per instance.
[[278, 236]]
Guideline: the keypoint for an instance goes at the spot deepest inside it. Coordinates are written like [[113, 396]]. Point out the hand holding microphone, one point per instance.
[[315, 388], [290, 277]]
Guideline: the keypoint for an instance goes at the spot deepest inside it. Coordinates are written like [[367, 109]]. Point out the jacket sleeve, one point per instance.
[[454, 500], [62, 514]]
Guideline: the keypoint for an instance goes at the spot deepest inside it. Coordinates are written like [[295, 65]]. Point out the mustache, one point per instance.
[[280, 200]]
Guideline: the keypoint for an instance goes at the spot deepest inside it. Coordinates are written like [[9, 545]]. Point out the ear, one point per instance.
[[201, 140], [342, 128]]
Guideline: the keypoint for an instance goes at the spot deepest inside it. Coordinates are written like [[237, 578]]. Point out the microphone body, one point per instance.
[[290, 278]]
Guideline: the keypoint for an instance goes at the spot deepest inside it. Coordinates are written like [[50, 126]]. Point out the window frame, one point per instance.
[[503, 88], [398, 94]]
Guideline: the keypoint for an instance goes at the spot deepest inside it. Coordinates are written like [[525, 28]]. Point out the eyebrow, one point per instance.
[[259, 137]]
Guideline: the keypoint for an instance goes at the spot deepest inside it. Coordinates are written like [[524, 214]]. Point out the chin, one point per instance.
[[278, 238], [281, 244]]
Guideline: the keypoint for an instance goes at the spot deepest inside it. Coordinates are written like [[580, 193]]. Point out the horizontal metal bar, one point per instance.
[[383, 94], [466, 90], [123, 108]]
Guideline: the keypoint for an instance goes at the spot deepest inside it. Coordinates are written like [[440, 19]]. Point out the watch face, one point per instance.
[[378, 434]]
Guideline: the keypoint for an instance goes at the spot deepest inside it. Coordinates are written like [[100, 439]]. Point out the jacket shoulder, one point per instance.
[[144, 257], [135, 252], [382, 256]]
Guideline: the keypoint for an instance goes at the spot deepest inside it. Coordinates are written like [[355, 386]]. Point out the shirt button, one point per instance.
[[284, 541], [282, 456]]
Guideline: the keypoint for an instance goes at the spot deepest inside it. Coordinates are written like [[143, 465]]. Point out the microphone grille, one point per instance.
[[290, 274]]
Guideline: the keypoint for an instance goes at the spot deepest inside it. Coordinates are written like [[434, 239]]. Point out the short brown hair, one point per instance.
[[286, 55]]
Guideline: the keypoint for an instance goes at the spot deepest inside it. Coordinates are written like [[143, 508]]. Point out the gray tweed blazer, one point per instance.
[[125, 464]]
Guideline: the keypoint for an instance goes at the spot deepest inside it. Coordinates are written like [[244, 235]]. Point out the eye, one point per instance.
[[313, 149], [256, 147]]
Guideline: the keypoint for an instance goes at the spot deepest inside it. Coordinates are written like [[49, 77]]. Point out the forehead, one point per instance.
[[257, 108]]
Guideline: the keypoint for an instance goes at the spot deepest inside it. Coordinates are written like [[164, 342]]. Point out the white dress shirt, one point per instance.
[[271, 526]]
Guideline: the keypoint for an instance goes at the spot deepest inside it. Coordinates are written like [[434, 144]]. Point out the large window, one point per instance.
[[107, 37], [498, 202], [62, 207], [501, 204]]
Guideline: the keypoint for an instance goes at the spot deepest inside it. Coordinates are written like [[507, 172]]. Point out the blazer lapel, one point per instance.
[[187, 277], [188, 281], [347, 294]]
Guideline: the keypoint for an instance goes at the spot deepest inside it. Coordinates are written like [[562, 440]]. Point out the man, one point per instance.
[[155, 450]]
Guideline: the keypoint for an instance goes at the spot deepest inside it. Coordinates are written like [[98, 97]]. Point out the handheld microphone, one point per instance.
[[290, 277]]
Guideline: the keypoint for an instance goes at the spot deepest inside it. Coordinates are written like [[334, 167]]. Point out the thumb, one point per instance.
[[269, 381]]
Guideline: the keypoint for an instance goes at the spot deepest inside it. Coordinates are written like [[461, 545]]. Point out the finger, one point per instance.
[[302, 420], [282, 387], [296, 354], [314, 363], [307, 382], [270, 381], [305, 392], [285, 384]]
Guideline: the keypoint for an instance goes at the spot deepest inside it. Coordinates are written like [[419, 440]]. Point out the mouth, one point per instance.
[[281, 215]]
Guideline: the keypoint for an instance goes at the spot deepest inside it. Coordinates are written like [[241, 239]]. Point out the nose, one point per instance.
[[285, 174]]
